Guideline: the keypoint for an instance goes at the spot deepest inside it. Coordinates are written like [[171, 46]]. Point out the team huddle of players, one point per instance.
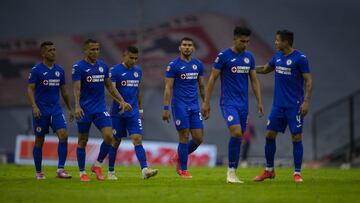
[[184, 77]]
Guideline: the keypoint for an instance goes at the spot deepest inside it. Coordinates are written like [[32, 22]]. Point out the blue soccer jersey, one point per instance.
[[234, 74], [92, 77], [185, 76], [47, 86], [289, 83], [127, 83]]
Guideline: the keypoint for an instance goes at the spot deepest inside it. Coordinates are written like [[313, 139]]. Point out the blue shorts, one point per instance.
[[123, 125], [186, 116], [235, 116], [56, 121], [101, 120], [281, 117]]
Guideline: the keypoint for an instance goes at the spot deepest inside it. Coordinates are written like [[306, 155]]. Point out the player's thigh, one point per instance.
[[58, 124], [84, 124], [196, 121], [181, 116], [230, 115], [134, 125], [41, 125], [119, 127], [277, 120], [295, 120]]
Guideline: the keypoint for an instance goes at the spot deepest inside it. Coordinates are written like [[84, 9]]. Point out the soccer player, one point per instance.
[[90, 75], [184, 75], [46, 80], [235, 65], [126, 78], [290, 104]]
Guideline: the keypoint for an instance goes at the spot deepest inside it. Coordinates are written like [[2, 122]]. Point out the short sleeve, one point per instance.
[[304, 64], [76, 73], [106, 71], [62, 78], [219, 62], [113, 75], [32, 76], [252, 63], [201, 69], [272, 61], [170, 70]]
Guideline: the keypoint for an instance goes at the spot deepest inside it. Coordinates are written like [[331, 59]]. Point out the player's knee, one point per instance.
[[136, 139], [237, 133], [63, 135], [270, 135], [39, 141], [82, 141], [296, 138], [198, 140], [116, 142]]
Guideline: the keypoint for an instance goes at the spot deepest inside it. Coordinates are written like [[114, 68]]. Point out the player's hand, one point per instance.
[[166, 116], [71, 116], [304, 108], [126, 106], [261, 110], [205, 110], [36, 112], [79, 113]]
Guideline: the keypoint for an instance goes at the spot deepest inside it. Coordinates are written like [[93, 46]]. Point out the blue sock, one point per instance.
[[298, 155], [192, 146], [112, 158], [270, 149], [104, 150], [81, 156], [37, 153], [234, 151], [62, 153], [183, 155], [141, 155]]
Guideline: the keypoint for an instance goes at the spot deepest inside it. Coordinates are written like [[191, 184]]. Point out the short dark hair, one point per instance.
[[286, 35], [186, 39], [46, 43], [89, 41], [132, 49], [241, 30]]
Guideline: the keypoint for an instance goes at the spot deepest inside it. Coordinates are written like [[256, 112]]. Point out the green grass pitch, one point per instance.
[[17, 184]]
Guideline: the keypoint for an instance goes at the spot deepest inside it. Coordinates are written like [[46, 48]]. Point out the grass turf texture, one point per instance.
[[18, 184]]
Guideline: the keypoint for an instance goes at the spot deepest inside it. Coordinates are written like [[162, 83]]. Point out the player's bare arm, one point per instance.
[[116, 95], [201, 87], [264, 69], [255, 85], [169, 83], [205, 107], [304, 108], [66, 99], [31, 93], [139, 96], [79, 112]]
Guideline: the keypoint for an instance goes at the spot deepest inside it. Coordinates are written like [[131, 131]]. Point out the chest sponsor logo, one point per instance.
[[95, 78], [130, 83], [240, 69], [283, 70], [51, 82], [189, 76]]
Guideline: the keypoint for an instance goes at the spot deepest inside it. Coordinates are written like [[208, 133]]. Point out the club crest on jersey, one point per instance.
[[45, 82], [38, 129], [177, 122], [288, 62], [57, 73], [123, 83], [183, 76], [194, 67], [246, 60], [89, 78], [136, 74], [230, 118], [101, 69]]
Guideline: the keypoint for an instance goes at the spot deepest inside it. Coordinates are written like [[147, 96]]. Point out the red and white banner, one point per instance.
[[157, 153]]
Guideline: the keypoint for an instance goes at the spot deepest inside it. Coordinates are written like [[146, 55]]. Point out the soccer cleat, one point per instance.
[[111, 175], [97, 170], [185, 174], [176, 160], [148, 173], [298, 178], [61, 173], [264, 175], [84, 177], [40, 176], [231, 176]]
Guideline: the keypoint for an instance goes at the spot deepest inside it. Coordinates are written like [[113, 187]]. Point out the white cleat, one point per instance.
[[111, 175], [231, 176], [148, 172], [40, 176]]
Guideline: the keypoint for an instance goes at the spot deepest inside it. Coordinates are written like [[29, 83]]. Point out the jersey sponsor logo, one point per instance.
[[87, 70], [182, 67], [57, 73], [51, 82], [130, 83], [240, 69], [45, 73], [38, 129], [123, 74], [45, 82], [246, 60], [183, 76], [278, 60], [234, 59], [289, 62], [283, 70], [136, 74], [230, 118], [123, 83], [177, 122], [95, 78], [189, 76], [89, 78], [101, 69], [194, 67]]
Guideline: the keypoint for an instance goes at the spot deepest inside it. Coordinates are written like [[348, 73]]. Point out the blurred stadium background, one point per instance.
[[326, 31]]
